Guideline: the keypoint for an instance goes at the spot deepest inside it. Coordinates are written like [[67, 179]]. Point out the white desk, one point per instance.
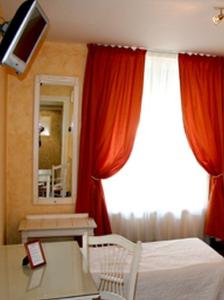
[[62, 277], [56, 225]]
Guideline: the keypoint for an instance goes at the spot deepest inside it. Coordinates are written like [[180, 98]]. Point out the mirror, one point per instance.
[[55, 139]]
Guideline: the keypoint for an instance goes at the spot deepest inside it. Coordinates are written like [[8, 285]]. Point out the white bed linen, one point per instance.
[[186, 269]]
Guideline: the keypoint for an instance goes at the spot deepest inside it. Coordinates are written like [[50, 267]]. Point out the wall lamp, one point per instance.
[[216, 19]]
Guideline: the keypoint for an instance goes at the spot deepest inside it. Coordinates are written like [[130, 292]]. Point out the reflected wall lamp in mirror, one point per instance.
[[56, 139]]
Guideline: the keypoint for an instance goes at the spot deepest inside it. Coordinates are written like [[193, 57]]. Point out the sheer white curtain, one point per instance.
[[162, 191]]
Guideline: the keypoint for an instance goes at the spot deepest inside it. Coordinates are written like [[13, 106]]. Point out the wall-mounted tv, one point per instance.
[[23, 35]]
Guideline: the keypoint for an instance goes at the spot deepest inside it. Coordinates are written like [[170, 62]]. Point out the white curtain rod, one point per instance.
[[158, 50]]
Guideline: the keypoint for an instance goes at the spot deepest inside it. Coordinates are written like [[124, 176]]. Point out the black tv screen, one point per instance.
[[23, 35]]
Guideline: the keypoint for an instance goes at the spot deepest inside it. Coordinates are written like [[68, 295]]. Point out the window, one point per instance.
[[161, 192]]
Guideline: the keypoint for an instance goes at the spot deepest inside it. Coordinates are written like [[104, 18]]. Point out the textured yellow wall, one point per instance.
[[2, 150], [52, 59]]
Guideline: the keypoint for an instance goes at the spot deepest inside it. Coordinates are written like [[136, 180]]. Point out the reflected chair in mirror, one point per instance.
[[44, 181], [113, 261], [59, 174], [42, 189]]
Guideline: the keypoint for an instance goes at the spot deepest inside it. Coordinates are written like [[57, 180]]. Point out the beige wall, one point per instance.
[[52, 59], [2, 152]]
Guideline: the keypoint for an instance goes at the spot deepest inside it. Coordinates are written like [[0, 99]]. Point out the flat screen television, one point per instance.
[[23, 35]]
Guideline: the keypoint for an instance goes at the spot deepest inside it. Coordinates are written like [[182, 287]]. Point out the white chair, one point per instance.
[[59, 173], [118, 259], [44, 180]]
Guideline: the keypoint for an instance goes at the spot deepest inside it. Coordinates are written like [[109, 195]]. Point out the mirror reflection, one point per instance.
[[55, 141]]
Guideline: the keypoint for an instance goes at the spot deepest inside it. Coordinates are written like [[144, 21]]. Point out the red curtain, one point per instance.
[[110, 115], [201, 81]]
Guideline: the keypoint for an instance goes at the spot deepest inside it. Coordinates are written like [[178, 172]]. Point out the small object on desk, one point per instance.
[[35, 254]]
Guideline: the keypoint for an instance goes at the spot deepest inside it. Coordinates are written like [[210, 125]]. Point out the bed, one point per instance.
[[185, 269]]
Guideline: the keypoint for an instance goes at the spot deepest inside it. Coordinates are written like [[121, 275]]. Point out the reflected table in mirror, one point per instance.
[[64, 275], [56, 225]]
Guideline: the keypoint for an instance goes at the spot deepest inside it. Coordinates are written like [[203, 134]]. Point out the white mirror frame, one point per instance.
[[56, 80]]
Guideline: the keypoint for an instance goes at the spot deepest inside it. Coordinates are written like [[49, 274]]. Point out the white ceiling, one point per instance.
[[159, 25]]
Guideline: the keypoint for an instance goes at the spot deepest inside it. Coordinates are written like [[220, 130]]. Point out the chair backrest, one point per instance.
[[118, 259]]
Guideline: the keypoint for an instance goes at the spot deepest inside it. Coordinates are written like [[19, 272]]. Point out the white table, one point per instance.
[[62, 277], [56, 225]]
